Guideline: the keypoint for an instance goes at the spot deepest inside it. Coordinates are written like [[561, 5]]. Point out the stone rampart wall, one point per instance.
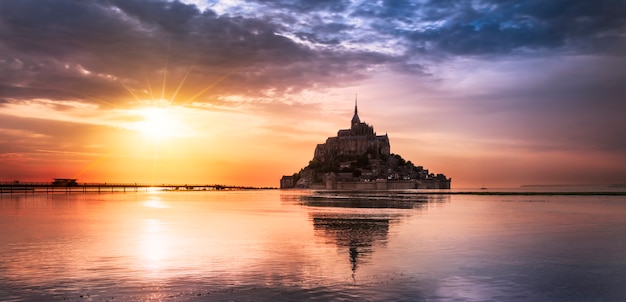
[[352, 145], [388, 185]]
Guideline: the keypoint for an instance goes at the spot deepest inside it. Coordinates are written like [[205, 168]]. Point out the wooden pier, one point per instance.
[[49, 188]]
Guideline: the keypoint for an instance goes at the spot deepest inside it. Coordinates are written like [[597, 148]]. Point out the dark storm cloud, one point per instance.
[[329, 34], [426, 30], [488, 27], [305, 6], [98, 47], [174, 17], [496, 27], [101, 49]]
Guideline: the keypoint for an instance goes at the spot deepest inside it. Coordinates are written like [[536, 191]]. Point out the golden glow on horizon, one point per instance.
[[156, 134]]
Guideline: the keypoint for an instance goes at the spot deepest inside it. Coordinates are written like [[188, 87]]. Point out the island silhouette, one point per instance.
[[359, 159]]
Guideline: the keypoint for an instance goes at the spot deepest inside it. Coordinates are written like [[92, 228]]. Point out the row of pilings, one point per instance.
[[32, 188]]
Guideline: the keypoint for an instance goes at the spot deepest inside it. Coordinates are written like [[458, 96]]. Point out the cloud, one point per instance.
[[502, 27], [115, 49], [305, 6], [485, 27], [119, 50]]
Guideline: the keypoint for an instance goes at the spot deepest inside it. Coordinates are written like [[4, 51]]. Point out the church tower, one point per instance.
[[355, 119], [359, 140]]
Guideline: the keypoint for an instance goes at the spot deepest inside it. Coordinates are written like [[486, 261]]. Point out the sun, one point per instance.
[[159, 122]]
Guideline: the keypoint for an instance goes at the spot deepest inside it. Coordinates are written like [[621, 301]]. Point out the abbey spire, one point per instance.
[[355, 118]]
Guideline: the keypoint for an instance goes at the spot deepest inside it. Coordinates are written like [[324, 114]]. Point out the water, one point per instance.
[[295, 245]]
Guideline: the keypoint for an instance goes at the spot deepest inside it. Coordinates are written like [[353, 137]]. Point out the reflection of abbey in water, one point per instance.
[[359, 159], [347, 220], [359, 235]]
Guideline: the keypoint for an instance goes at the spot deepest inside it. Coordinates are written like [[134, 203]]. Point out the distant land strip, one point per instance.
[[535, 193], [556, 193], [621, 185]]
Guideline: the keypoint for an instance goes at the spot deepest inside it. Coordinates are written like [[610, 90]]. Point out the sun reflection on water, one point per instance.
[[155, 203], [153, 242], [154, 190]]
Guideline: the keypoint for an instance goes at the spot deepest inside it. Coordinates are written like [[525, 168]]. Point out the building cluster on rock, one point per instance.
[[358, 159]]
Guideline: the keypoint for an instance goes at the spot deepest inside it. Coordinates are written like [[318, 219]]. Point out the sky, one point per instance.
[[501, 93]]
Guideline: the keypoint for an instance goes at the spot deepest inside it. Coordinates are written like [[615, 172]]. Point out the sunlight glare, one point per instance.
[[160, 122], [153, 245], [155, 203], [154, 190]]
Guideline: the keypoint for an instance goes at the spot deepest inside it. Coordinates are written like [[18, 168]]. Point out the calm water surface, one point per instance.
[[293, 245]]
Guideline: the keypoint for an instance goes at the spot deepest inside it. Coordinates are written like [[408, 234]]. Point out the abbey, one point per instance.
[[359, 159], [358, 140]]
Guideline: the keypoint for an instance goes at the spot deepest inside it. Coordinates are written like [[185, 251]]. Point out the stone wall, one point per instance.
[[351, 145], [388, 185]]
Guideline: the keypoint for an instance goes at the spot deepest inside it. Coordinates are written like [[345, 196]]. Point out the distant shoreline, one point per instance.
[[542, 193], [576, 186], [503, 193]]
